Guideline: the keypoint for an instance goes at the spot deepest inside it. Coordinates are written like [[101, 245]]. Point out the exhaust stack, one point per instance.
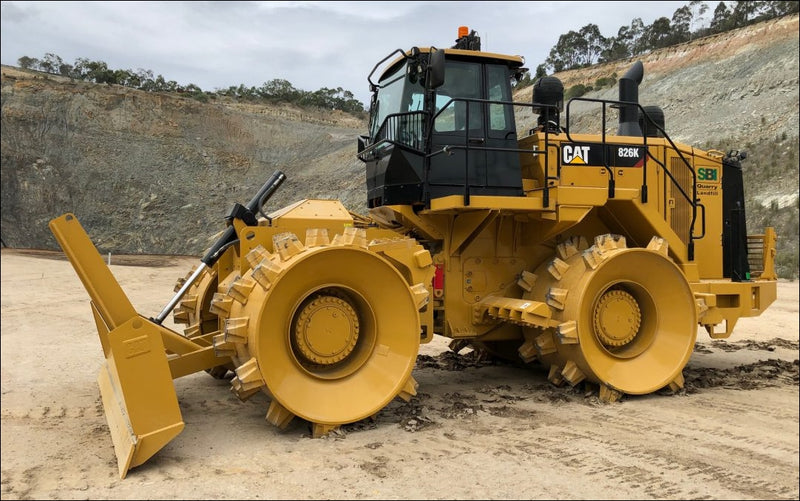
[[629, 92]]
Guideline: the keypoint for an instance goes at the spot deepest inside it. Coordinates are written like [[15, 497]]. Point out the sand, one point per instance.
[[478, 429]]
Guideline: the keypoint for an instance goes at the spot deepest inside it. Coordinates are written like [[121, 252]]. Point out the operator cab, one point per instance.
[[442, 123]]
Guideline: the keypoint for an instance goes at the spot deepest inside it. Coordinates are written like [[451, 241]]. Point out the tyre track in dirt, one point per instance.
[[626, 457]]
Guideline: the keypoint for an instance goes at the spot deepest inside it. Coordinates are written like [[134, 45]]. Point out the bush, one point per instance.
[[605, 82], [575, 91]]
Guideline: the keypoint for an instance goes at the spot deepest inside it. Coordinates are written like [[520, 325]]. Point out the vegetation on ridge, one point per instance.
[[274, 91], [587, 46]]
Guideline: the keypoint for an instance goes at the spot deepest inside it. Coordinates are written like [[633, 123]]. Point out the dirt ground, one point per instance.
[[476, 430]]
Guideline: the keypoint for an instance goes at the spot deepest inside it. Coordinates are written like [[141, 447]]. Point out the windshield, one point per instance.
[[399, 92], [457, 102]]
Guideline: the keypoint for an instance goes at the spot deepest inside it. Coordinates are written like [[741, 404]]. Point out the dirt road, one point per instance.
[[476, 430]]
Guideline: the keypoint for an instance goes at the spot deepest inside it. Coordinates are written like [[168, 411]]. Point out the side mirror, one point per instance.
[[435, 69], [363, 141]]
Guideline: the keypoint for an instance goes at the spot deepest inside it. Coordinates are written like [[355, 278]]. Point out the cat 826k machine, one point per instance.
[[597, 256]]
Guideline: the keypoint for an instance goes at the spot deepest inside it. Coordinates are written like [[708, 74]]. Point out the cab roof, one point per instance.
[[475, 55]]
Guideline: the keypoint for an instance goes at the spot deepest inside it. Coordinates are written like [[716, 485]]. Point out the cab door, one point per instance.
[[474, 128], [459, 124], [503, 172]]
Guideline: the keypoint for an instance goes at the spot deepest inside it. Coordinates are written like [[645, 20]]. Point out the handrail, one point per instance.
[[466, 145], [391, 125], [603, 142], [693, 201], [373, 85], [400, 123]]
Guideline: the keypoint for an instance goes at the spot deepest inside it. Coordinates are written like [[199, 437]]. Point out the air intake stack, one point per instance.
[[548, 102], [654, 118], [629, 93]]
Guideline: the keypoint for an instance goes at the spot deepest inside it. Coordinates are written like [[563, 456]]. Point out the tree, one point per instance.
[[28, 63], [618, 47], [698, 8], [635, 34], [145, 78], [742, 11], [722, 19], [51, 63], [196, 92], [80, 69], [279, 90], [230, 91], [159, 84], [783, 8], [522, 81], [681, 25], [126, 78], [171, 86], [588, 46], [594, 43], [761, 11], [275, 90], [98, 72], [567, 53], [658, 34]]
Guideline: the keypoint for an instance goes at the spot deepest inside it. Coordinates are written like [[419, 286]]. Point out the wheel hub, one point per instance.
[[326, 331], [617, 318]]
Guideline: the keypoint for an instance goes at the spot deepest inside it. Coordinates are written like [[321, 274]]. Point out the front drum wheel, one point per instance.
[[331, 334]]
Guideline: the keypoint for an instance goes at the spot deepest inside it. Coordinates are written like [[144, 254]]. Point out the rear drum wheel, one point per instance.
[[627, 317]]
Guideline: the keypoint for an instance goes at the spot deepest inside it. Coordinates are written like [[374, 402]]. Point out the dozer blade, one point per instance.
[[139, 398]]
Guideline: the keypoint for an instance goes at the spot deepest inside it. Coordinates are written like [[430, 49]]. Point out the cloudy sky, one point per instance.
[[311, 44]]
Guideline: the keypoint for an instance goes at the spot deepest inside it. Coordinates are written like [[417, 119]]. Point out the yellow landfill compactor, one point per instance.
[[594, 255]]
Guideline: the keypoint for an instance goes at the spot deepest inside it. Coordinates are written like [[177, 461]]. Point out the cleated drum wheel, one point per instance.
[[330, 332], [627, 318], [193, 311]]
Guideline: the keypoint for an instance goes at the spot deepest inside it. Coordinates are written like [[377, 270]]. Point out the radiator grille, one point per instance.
[[682, 212]]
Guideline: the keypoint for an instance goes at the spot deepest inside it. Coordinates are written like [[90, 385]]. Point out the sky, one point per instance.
[[215, 45]]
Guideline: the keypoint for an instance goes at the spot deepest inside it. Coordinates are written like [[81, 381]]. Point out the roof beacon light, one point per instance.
[[463, 31]]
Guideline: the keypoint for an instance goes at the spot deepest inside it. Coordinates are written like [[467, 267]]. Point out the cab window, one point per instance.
[[500, 115], [400, 92], [390, 96], [462, 81]]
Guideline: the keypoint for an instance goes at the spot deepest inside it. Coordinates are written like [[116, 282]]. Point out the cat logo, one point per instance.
[[574, 154]]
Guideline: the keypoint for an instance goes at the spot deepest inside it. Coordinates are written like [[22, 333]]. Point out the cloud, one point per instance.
[[311, 44]]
